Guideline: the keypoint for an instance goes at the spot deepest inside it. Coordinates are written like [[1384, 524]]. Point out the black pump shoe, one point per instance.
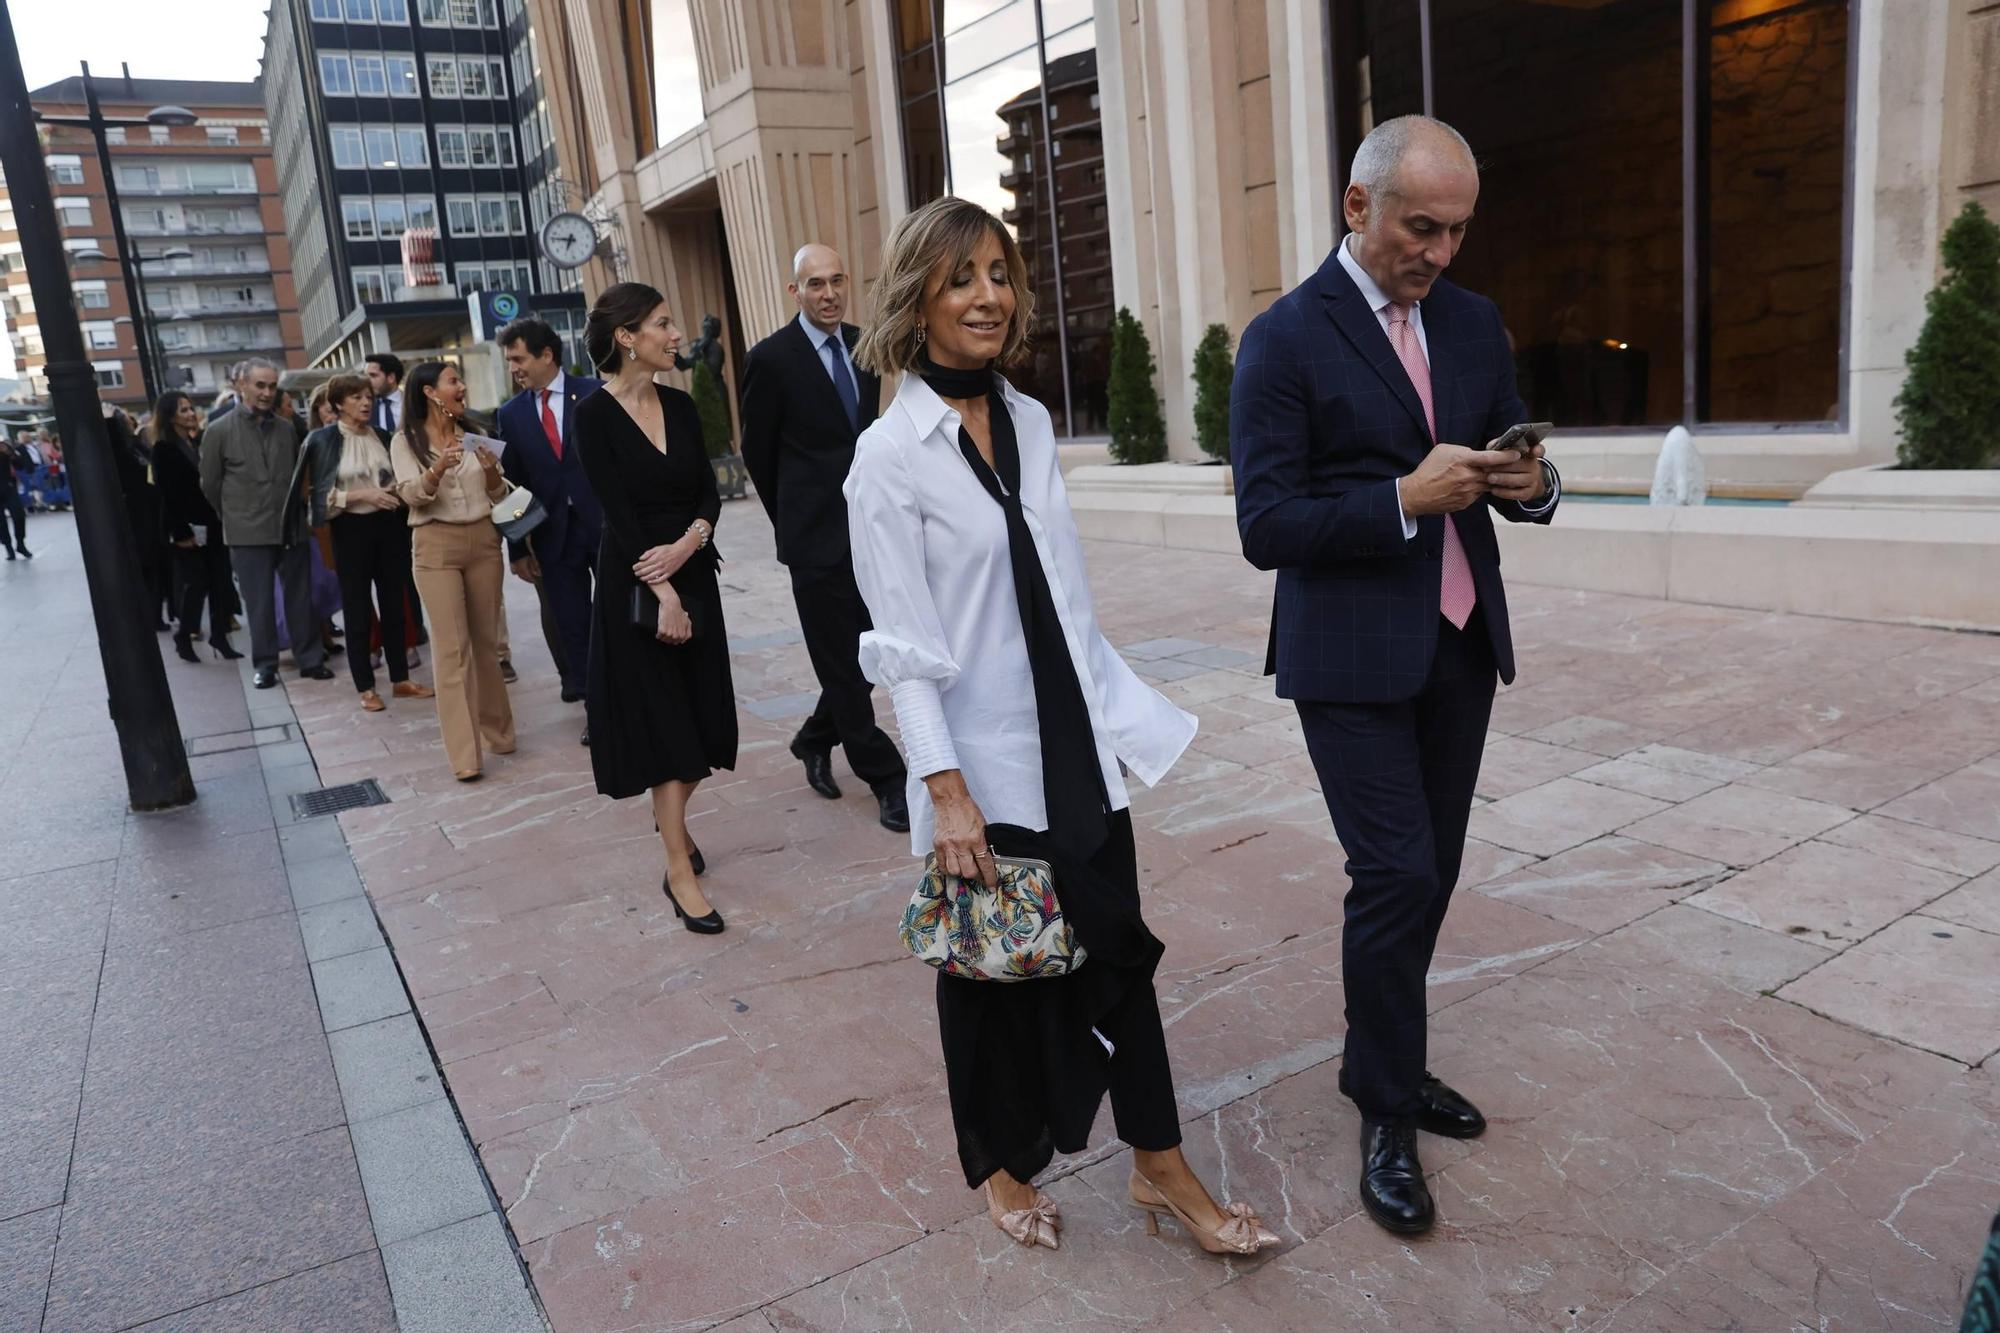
[[184, 649], [700, 925], [224, 650], [1392, 1179]]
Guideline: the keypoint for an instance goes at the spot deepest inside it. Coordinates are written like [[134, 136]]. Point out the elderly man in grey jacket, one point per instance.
[[250, 469]]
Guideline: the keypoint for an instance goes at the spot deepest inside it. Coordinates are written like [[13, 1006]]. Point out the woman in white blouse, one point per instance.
[[1017, 716], [353, 494]]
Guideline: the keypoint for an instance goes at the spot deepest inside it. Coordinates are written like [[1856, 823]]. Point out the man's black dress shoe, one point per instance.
[[895, 810], [572, 696], [1392, 1179], [266, 680], [1442, 1110], [321, 672], [585, 738], [819, 770]]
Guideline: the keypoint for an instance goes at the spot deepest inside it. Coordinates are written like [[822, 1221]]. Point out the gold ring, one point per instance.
[[982, 856]]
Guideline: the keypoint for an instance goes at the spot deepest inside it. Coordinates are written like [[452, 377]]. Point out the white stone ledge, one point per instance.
[[1873, 487], [1898, 564]]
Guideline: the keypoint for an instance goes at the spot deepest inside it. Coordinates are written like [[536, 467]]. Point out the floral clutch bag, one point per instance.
[[1016, 932]]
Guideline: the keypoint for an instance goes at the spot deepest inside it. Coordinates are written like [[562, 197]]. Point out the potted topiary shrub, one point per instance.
[[1138, 427], [1949, 407], [1214, 368]]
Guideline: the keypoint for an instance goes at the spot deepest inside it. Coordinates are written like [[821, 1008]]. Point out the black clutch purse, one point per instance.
[[643, 613]]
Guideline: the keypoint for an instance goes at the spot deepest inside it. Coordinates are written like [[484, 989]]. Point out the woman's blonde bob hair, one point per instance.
[[924, 250]]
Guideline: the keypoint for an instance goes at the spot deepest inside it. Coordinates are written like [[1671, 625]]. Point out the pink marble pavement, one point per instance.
[[1721, 971]]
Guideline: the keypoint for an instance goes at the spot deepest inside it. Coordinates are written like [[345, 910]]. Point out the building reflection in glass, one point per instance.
[[1019, 133]]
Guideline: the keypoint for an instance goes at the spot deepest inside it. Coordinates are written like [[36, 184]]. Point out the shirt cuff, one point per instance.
[[1409, 524], [1555, 491], [927, 746]]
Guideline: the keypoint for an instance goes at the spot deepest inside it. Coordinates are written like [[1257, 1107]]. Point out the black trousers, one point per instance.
[[1024, 1061], [10, 503], [372, 551], [1398, 780], [565, 592], [833, 619], [201, 574]]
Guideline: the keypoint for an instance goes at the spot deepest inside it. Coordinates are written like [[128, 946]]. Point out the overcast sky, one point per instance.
[[208, 39]]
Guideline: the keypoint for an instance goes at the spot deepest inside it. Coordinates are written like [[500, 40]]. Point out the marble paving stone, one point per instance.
[[1663, 784], [1512, 764], [1916, 844], [351, 1295], [1879, 1239], [1855, 781], [1825, 893], [27, 1244], [1604, 883], [1927, 982], [1688, 1299], [152, 1244], [1966, 802], [1675, 759], [1597, 735], [1737, 824], [1977, 904], [1681, 949], [1559, 815], [727, 1245]]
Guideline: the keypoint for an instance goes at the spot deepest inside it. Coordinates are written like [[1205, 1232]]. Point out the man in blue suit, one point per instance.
[[1361, 405], [558, 556]]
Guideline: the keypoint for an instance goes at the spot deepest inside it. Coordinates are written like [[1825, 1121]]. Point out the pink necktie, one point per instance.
[[1456, 596]]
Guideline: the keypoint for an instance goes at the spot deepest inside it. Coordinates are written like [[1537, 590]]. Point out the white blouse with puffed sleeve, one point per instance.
[[931, 559]]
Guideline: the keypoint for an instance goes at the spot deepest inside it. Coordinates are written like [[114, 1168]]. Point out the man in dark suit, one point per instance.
[[1356, 398], [559, 555], [804, 404]]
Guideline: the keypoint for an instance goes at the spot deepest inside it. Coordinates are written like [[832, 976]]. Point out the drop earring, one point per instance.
[[920, 335]]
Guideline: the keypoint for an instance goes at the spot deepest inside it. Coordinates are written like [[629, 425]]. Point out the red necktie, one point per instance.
[[549, 427], [1457, 596]]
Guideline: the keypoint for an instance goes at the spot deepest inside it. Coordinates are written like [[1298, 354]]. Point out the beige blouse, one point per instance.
[[363, 460], [460, 496]]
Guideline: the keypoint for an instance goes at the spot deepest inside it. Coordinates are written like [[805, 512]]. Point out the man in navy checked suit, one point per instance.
[[559, 556], [1355, 400]]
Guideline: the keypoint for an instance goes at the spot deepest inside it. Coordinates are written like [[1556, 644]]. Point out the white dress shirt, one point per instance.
[[820, 338], [393, 400], [1379, 302], [932, 562]]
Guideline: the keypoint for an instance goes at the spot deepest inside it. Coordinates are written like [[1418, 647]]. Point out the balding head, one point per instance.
[[1410, 196], [819, 285]]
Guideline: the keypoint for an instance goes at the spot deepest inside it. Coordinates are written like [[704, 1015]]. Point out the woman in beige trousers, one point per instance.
[[451, 491]]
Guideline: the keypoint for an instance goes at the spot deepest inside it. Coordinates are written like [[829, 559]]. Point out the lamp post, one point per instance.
[[135, 680], [94, 120], [146, 330]]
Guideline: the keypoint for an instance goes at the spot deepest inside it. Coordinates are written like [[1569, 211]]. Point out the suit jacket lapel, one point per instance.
[[810, 358], [1361, 327]]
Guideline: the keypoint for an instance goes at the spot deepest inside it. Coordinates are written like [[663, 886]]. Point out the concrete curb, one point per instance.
[[451, 1260]]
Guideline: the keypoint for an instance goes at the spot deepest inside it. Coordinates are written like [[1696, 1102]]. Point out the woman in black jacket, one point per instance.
[[201, 561]]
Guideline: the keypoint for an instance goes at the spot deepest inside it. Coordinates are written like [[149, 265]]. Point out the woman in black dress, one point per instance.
[[661, 708], [201, 561]]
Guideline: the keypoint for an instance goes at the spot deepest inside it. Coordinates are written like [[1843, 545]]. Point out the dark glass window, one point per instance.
[[1662, 227], [1016, 129]]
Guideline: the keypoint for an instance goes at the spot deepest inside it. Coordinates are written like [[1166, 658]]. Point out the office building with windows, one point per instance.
[[211, 270], [1722, 214], [416, 169]]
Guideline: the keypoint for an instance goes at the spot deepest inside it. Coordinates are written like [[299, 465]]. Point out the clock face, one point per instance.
[[569, 240]]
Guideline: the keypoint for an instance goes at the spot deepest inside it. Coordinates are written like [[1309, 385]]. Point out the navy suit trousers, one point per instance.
[[566, 591], [1398, 779]]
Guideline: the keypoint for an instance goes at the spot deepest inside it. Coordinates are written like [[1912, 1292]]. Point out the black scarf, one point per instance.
[[951, 382], [1072, 782]]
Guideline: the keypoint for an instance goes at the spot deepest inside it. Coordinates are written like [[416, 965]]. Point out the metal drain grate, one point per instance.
[[333, 800]]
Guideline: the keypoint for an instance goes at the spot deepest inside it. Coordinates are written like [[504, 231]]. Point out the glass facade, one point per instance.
[[999, 105], [1664, 234]]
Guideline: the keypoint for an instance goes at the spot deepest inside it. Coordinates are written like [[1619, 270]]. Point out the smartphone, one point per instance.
[[1523, 433]]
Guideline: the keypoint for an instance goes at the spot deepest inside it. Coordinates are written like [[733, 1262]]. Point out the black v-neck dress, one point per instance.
[[658, 712]]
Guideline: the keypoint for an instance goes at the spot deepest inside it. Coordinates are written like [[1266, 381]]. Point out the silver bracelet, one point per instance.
[[701, 531]]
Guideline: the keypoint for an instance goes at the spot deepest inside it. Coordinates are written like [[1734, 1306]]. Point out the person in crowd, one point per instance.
[[354, 498], [804, 403], [385, 381], [226, 401], [1021, 721], [250, 474], [14, 465], [557, 557], [450, 491], [1362, 402], [320, 411], [660, 700], [132, 456], [201, 561]]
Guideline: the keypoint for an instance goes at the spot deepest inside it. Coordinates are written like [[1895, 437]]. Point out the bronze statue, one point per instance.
[[707, 348]]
